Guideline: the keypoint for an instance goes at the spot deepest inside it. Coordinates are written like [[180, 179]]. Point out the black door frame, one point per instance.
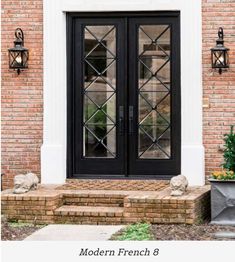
[[71, 17]]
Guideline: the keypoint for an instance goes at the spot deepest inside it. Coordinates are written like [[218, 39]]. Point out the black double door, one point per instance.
[[123, 95]]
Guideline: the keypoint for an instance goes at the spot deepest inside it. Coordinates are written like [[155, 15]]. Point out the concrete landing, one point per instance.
[[74, 233]]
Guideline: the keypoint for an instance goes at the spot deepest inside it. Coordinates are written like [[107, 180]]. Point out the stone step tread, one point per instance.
[[89, 210]]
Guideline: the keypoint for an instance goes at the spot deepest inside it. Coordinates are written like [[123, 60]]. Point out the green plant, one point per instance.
[[22, 225], [140, 231], [229, 151]]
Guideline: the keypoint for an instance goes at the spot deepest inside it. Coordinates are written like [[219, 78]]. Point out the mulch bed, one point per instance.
[[189, 232], [15, 231]]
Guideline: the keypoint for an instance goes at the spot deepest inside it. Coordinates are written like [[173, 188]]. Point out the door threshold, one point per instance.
[[118, 177]]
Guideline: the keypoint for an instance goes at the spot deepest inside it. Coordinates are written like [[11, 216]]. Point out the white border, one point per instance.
[[53, 152], [69, 250]]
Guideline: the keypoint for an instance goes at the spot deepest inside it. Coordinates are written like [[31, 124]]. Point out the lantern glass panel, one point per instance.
[[25, 59], [219, 59], [226, 57], [18, 59]]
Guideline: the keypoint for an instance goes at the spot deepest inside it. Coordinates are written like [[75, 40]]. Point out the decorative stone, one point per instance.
[[24, 183], [178, 185]]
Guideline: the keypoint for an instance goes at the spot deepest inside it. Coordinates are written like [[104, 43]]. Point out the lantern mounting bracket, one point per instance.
[[221, 33], [19, 36]]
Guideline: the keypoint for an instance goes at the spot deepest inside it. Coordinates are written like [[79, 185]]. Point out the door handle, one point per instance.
[[121, 120], [131, 115]]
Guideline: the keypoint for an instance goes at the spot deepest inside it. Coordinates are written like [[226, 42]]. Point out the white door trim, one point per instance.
[[53, 151]]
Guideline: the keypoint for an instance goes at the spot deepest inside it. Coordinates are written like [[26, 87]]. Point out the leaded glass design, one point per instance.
[[154, 89], [99, 92]]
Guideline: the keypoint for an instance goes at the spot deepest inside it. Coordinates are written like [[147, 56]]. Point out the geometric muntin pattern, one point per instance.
[[154, 92], [98, 123]]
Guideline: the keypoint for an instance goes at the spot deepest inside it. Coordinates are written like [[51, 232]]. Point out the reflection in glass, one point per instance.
[[154, 92], [99, 100]]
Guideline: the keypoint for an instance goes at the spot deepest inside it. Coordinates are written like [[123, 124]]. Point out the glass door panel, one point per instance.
[[99, 108], [154, 134]]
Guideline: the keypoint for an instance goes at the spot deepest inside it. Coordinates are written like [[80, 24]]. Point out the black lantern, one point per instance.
[[219, 54], [18, 55]]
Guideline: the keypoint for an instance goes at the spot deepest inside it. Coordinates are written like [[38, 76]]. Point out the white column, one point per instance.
[[53, 151], [192, 162]]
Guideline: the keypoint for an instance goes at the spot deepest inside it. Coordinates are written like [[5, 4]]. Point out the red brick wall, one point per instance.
[[22, 95], [219, 90]]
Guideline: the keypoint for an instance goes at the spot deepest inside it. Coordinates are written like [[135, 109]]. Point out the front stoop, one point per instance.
[[50, 205]]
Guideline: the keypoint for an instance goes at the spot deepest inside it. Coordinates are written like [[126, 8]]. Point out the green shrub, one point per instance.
[[229, 151]]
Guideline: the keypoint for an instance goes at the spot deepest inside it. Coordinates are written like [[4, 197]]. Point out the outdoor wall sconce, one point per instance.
[[18, 55], [219, 54]]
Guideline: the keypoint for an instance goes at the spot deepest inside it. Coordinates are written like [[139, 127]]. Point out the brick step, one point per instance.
[[94, 199], [89, 215]]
